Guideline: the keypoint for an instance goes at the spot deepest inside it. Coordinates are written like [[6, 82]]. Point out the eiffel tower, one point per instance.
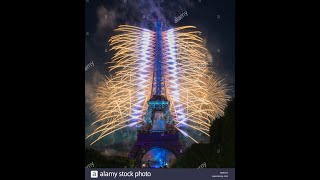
[[158, 130]]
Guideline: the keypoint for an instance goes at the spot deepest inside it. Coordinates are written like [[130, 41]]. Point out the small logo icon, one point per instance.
[[94, 174]]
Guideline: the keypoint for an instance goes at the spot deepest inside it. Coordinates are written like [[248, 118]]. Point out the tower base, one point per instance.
[[147, 140]]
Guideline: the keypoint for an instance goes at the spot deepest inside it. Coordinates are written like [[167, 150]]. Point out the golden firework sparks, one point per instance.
[[196, 95]]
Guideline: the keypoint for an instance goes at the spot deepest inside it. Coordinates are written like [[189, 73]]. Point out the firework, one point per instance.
[[196, 95]]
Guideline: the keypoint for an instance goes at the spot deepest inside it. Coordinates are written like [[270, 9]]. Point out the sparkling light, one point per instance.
[[196, 95]]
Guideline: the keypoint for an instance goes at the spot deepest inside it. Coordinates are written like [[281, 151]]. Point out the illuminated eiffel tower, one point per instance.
[[158, 130]]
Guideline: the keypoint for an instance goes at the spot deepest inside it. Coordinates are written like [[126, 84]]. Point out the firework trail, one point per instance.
[[196, 95]]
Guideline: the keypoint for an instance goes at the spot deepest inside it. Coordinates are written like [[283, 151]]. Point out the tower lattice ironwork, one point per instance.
[[158, 129]]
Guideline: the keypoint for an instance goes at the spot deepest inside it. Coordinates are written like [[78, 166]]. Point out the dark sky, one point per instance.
[[214, 18]]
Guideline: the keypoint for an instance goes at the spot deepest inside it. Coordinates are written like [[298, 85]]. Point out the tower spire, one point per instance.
[[158, 80]]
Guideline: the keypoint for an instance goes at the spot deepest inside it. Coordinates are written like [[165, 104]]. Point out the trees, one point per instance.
[[100, 161], [220, 152], [222, 135]]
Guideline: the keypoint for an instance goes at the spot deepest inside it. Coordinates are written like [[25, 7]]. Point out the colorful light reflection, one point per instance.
[[158, 158]]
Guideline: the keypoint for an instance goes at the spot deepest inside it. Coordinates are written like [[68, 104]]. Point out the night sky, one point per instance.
[[214, 18]]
